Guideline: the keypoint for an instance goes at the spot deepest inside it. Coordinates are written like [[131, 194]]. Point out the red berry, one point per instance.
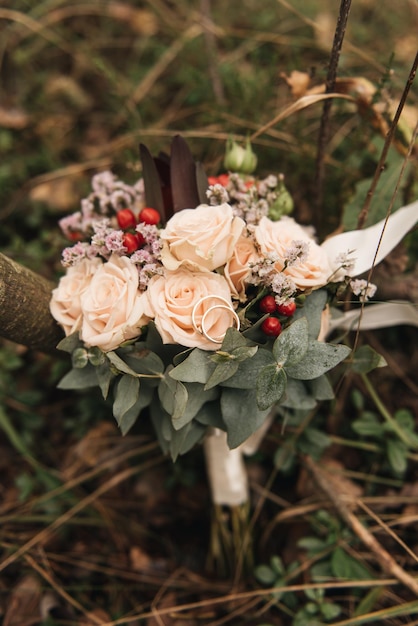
[[149, 216], [130, 241], [223, 179], [140, 239], [267, 304], [126, 219], [212, 180], [286, 309], [271, 327]]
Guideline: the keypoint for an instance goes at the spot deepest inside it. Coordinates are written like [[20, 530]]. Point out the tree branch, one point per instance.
[[24, 307]]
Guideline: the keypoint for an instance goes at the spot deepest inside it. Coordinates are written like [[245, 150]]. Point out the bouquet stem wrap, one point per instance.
[[226, 470]]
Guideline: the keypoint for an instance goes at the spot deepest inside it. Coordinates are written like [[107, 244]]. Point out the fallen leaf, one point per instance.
[[23, 608]]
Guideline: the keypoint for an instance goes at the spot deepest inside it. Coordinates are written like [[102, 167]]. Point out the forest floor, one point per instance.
[[96, 528]]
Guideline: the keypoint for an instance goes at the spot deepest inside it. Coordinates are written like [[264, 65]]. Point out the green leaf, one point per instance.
[[265, 575], [120, 364], [317, 437], [145, 362], [241, 414], [319, 358], [271, 385], [248, 370], [79, 378], [291, 345], [125, 397], [173, 396], [368, 425], [406, 420], [312, 311], [297, 396], [70, 343], [312, 545], [196, 398], [175, 442], [397, 455], [196, 368], [222, 372], [330, 610], [366, 359], [210, 415], [234, 339], [321, 388], [284, 459], [345, 567], [104, 377]]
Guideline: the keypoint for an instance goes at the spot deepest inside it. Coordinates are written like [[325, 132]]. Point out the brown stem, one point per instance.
[[329, 87], [24, 307], [388, 141], [386, 561]]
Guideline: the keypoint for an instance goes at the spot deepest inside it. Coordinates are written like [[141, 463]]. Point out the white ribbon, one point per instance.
[[376, 241], [227, 476]]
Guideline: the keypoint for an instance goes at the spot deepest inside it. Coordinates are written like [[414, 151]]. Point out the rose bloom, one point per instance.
[[171, 299], [237, 268], [200, 239], [65, 305], [112, 307], [275, 237]]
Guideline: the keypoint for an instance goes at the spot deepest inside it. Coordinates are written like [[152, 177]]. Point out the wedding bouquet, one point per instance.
[[198, 302]]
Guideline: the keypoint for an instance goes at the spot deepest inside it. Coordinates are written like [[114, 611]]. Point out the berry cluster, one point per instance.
[[272, 325], [132, 241]]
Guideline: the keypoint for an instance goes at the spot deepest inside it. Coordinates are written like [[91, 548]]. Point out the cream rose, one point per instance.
[[201, 239], [112, 307], [172, 299], [65, 305], [275, 238], [237, 268]]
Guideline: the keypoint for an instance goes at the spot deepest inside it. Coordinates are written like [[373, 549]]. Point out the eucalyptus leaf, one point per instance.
[[222, 372], [319, 358], [210, 415], [248, 370], [196, 398], [120, 365], [70, 343], [173, 395], [312, 310], [185, 439], [125, 396], [196, 368], [271, 385], [321, 388], [291, 345], [79, 378], [234, 339], [145, 362], [241, 414], [130, 417], [297, 396], [104, 377]]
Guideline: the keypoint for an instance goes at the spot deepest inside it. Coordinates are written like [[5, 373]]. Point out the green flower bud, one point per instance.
[[239, 159], [283, 204], [80, 358], [96, 356]]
